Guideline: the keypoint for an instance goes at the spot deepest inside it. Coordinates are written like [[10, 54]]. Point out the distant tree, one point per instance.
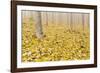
[[88, 20], [83, 21], [55, 18], [38, 25], [52, 17], [66, 19], [31, 15], [59, 18], [46, 18], [71, 21]]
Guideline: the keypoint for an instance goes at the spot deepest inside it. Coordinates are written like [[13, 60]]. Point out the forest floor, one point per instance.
[[58, 44]]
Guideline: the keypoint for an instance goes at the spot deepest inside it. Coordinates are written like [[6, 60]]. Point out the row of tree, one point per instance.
[[71, 19]]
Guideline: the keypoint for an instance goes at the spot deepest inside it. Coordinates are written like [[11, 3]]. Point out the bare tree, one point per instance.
[[38, 25], [88, 20], [71, 21], [68, 20], [83, 21], [31, 14], [52, 18], [46, 18], [55, 18], [59, 18]]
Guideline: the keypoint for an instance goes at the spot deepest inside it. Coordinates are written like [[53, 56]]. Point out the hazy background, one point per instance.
[[73, 19]]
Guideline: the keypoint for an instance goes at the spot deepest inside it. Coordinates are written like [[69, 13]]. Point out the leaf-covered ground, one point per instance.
[[59, 43]]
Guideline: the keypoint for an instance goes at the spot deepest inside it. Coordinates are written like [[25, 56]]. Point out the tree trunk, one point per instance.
[[46, 18], [38, 25], [52, 18], [83, 21], [71, 21]]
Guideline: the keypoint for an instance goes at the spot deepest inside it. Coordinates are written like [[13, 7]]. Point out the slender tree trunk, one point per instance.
[[60, 21], [88, 21], [46, 18], [52, 18], [83, 21], [55, 18], [31, 14], [38, 25], [71, 21]]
